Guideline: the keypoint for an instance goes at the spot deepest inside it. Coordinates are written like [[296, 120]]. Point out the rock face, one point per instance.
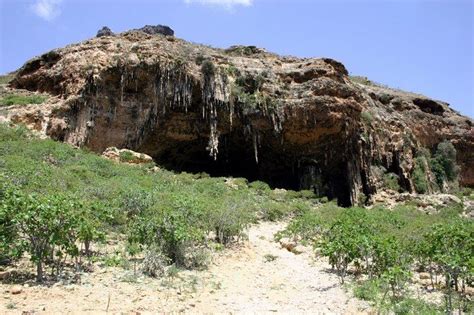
[[105, 31], [157, 29], [294, 123]]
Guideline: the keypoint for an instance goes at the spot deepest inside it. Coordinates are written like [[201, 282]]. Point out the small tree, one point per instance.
[[347, 241], [207, 68], [444, 163], [420, 174], [8, 231], [450, 246], [43, 223]]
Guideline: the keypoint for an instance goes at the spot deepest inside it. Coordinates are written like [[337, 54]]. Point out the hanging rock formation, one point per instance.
[[295, 123]]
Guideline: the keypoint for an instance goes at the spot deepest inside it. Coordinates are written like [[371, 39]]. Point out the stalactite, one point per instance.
[[121, 89], [255, 145]]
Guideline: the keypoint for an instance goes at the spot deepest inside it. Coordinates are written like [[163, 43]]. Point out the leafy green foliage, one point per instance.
[[390, 180], [450, 247], [126, 156], [181, 215], [250, 83], [419, 175], [43, 223], [442, 164], [17, 99], [208, 68], [366, 117], [243, 50], [199, 59], [375, 290], [386, 245], [6, 78], [307, 227]]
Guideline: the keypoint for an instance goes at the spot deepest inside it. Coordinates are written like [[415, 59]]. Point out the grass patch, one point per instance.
[[6, 78], [17, 99], [178, 216], [375, 291]]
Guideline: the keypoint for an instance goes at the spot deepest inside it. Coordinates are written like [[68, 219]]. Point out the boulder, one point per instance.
[[105, 31], [16, 290], [157, 29], [126, 156], [288, 244]]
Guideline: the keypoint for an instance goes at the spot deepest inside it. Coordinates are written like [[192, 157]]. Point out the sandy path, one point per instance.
[[240, 281], [289, 284]]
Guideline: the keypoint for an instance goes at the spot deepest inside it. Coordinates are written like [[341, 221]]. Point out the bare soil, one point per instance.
[[257, 276]]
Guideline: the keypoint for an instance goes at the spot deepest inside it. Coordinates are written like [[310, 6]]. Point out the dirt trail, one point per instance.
[[290, 283], [241, 280]]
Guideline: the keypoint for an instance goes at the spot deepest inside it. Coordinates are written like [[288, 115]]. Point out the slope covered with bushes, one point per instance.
[[80, 198]]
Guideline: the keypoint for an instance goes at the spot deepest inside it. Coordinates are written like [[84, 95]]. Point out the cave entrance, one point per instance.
[[236, 158], [279, 165]]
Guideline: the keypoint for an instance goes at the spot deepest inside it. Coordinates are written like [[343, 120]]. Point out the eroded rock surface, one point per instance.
[[295, 123]]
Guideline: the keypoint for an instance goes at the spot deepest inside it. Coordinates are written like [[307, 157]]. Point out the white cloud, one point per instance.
[[47, 9], [228, 4]]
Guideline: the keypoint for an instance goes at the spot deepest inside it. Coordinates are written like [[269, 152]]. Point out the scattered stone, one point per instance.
[[298, 249], [105, 31], [288, 244], [430, 210], [424, 275], [16, 290]]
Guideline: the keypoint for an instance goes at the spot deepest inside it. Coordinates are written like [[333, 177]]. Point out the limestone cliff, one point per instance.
[[295, 123]]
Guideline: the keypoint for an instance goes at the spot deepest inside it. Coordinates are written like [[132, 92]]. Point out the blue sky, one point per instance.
[[419, 46]]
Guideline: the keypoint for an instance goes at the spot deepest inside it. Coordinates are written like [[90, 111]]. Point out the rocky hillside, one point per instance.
[[295, 123]]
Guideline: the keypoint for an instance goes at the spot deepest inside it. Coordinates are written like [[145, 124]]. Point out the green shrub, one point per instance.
[[6, 78], [366, 117], [43, 223], [385, 98], [274, 211], [367, 290], [8, 231], [390, 181], [126, 156], [419, 175], [229, 220], [450, 246], [208, 68], [249, 83], [259, 186], [444, 163], [199, 59], [17, 99], [243, 50], [375, 290], [307, 226]]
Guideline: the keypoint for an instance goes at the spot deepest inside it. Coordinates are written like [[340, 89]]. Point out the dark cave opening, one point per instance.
[[236, 158], [278, 166]]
